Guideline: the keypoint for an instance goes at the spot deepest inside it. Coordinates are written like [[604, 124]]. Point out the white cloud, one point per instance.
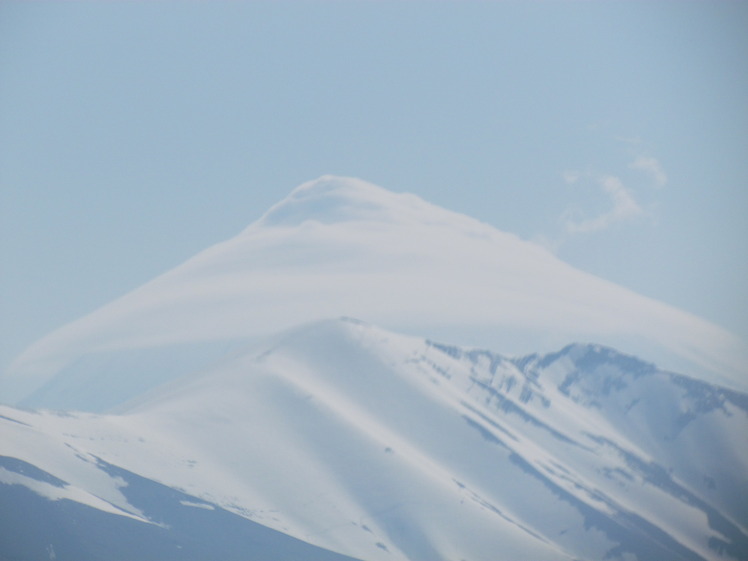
[[393, 260], [651, 166], [550, 244], [571, 177], [624, 208]]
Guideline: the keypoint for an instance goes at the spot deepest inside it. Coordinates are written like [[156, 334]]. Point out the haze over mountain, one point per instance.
[[341, 246]]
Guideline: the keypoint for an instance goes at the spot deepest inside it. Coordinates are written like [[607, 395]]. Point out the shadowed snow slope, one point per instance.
[[387, 447], [341, 246]]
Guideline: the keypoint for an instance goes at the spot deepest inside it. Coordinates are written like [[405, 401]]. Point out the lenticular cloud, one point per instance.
[[343, 247]]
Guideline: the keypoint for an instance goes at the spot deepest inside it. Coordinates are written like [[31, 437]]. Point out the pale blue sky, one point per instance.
[[133, 135]]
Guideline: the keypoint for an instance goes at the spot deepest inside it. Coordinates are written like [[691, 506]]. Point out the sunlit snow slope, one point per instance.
[[385, 447], [341, 246]]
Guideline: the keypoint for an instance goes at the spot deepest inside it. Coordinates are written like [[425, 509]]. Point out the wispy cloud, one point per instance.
[[624, 205], [571, 177], [652, 167]]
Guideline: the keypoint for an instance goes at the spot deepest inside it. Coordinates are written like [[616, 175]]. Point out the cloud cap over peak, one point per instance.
[[344, 247], [331, 199]]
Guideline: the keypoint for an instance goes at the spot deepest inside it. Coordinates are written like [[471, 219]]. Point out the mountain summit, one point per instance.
[[344, 247]]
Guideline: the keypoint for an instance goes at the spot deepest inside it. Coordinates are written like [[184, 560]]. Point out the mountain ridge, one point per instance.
[[382, 446]]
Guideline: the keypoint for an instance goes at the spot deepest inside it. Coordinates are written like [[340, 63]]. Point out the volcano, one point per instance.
[[233, 407]]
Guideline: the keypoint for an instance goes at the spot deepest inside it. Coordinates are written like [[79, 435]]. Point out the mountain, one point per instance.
[[172, 423], [340, 439], [341, 246]]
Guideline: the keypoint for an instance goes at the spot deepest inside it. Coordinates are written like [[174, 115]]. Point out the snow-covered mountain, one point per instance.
[[173, 424], [343, 247], [353, 441]]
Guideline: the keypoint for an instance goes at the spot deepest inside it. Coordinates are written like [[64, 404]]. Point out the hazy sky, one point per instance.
[[133, 135]]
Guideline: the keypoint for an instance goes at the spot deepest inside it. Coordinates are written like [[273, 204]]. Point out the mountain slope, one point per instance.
[[340, 246], [185, 528], [382, 446]]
